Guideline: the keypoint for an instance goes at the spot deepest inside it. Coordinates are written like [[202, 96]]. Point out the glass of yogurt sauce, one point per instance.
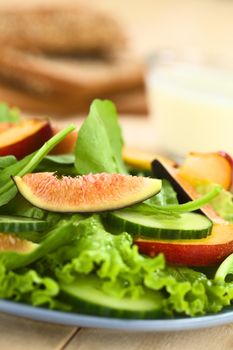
[[191, 106]]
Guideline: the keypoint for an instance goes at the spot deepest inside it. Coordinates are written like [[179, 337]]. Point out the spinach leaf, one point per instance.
[[61, 164], [7, 188], [6, 161], [67, 159], [99, 143], [8, 114]]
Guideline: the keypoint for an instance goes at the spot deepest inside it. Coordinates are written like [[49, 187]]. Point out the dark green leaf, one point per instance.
[[7, 161], [99, 143]]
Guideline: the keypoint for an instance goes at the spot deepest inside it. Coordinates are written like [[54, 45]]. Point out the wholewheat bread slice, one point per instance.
[[59, 29], [131, 102], [88, 76]]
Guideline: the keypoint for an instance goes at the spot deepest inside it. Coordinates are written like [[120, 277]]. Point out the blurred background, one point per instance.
[[56, 56]]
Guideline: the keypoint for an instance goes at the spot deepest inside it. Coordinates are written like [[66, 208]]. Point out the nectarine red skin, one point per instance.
[[197, 252], [29, 143], [187, 255]]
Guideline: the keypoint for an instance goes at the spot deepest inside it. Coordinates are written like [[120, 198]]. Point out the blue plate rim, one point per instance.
[[79, 320]]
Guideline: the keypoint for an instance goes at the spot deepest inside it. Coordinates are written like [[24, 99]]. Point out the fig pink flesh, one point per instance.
[[89, 192]]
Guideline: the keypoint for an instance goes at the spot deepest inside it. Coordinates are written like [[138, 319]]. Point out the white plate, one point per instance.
[[71, 319]]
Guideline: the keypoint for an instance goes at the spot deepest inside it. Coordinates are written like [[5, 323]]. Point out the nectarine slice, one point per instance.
[[24, 137], [5, 126], [199, 252], [141, 159], [208, 167], [67, 144], [10, 242]]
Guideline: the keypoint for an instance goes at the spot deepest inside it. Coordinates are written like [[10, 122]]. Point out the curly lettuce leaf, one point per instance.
[[166, 196], [222, 204], [126, 273], [29, 287], [120, 269]]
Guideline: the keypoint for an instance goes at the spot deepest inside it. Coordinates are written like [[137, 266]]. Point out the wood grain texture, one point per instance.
[[22, 334], [95, 339]]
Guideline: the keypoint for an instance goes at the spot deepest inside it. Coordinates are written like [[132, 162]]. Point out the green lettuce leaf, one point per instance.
[[126, 273], [99, 143], [28, 287], [7, 114], [166, 196], [222, 204]]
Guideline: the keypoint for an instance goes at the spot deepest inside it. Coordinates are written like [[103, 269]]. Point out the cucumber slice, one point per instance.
[[87, 297], [21, 224], [183, 226]]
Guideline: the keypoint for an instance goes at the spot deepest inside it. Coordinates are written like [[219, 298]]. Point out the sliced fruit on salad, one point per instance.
[[142, 160], [208, 167], [24, 137], [199, 252], [87, 193], [12, 243]]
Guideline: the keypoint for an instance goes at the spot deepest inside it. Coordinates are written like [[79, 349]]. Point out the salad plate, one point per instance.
[[158, 325], [94, 241]]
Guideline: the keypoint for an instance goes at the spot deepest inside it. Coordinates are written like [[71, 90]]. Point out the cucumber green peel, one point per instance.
[[12, 224], [186, 226]]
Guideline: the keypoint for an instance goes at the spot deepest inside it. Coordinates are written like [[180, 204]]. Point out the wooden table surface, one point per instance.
[[22, 334]]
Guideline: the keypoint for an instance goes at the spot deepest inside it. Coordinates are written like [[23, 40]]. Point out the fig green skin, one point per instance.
[[148, 189]]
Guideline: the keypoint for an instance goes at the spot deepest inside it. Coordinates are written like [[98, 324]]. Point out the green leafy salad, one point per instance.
[[89, 263]]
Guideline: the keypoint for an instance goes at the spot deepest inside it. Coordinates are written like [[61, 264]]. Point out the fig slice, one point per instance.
[[87, 193]]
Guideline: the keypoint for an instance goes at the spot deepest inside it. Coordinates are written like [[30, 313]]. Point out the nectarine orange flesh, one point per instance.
[[24, 138], [142, 159], [67, 144], [208, 167]]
